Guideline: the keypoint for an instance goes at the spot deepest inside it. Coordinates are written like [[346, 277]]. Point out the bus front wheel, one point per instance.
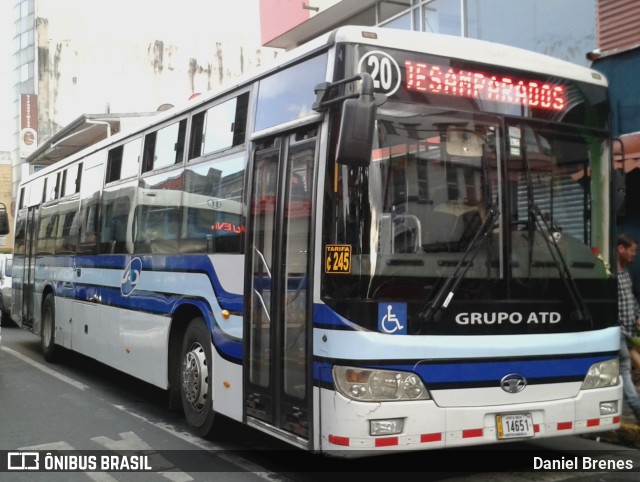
[[48, 329], [196, 377]]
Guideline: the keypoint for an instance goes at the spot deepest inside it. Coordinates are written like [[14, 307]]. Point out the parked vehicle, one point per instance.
[[6, 265]]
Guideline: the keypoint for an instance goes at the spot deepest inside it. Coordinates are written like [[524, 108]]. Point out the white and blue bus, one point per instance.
[[389, 241]]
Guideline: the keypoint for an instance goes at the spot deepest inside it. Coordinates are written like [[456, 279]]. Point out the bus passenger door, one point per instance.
[[26, 305], [277, 359]]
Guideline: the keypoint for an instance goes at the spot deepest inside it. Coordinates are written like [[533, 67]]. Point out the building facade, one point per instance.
[[537, 25], [77, 59]]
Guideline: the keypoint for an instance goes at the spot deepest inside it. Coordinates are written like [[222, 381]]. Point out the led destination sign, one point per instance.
[[394, 73], [435, 79]]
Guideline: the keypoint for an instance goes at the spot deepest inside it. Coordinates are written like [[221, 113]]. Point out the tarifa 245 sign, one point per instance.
[[503, 317]]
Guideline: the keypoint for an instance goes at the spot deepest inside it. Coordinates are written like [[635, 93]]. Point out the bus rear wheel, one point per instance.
[[48, 329], [196, 377]]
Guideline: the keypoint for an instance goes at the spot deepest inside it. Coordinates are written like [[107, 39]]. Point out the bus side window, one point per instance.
[[123, 161], [20, 235], [164, 147], [114, 164], [114, 216], [220, 127], [68, 228], [213, 219], [92, 174], [157, 229], [197, 134], [156, 222], [45, 229]]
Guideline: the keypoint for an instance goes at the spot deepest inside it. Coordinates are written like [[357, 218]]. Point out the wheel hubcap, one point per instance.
[[195, 376]]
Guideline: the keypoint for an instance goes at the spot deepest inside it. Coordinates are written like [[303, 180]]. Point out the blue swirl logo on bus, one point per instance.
[[131, 276]]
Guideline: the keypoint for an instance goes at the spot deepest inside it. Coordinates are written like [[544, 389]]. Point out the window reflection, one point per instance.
[[288, 95], [213, 218], [538, 26], [441, 16]]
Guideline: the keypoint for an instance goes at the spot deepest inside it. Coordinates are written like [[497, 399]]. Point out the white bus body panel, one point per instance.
[[426, 425], [136, 342], [465, 416], [227, 387], [130, 341]]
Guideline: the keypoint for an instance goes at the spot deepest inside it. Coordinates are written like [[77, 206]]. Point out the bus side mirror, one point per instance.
[[357, 127], [619, 191], [619, 182], [4, 220]]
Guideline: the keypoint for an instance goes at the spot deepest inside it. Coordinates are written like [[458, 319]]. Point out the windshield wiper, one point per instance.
[[540, 224], [581, 311], [443, 297]]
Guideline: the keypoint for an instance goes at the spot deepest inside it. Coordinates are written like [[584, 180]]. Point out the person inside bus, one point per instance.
[[629, 317]]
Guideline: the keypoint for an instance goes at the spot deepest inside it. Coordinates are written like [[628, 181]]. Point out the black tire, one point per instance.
[[196, 377], [5, 317], [50, 351], [6, 320]]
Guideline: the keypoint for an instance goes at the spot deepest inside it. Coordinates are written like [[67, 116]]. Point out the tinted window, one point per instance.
[[157, 215], [47, 230], [213, 218], [219, 127], [67, 225], [164, 147], [289, 94], [89, 198], [114, 215], [71, 180], [123, 161]]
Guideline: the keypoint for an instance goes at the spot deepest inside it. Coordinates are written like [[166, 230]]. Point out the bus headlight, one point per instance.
[[602, 374], [378, 385]]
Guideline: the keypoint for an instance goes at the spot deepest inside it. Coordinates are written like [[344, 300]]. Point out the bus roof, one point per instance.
[[470, 49]]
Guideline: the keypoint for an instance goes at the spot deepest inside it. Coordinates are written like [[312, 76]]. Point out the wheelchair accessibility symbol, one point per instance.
[[392, 318]]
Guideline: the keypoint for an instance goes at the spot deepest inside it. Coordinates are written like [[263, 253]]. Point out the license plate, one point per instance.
[[514, 425]]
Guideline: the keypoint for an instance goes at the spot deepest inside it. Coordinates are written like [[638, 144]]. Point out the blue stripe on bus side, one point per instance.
[[167, 263], [478, 372], [155, 302], [230, 349], [325, 317]]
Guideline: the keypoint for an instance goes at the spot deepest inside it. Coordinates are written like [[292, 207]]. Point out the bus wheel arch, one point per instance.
[[49, 348]]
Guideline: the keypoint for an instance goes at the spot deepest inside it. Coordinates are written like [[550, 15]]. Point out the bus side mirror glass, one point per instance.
[[619, 182], [619, 191], [4, 220], [357, 128]]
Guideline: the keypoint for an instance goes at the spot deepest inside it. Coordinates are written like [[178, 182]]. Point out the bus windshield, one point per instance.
[[500, 208]]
